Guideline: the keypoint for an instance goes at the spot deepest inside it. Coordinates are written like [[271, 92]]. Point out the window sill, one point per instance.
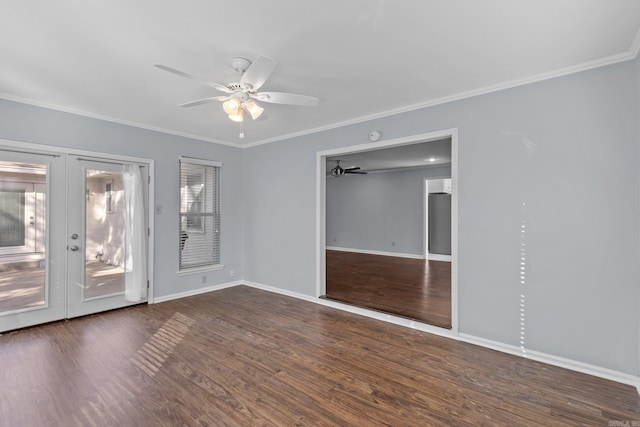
[[196, 270]]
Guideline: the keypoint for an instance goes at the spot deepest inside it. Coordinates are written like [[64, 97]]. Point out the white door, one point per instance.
[[96, 235], [32, 254]]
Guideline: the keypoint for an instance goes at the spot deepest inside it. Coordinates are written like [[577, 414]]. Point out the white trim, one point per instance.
[[370, 252], [56, 107], [321, 206], [396, 142], [51, 149], [550, 359], [439, 257], [455, 312], [151, 221], [187, 271], [538, 356], [199, 161], [425, 218], [321, 224], [195, 292]]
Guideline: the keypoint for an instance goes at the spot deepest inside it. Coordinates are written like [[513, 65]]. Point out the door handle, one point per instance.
[[74, 248]]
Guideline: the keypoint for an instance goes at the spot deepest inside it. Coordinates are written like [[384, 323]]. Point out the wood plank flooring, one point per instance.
[[242, 356], [412, 288]]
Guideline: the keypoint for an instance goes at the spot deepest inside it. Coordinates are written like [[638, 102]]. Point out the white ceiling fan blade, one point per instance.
[[217, 86], [258, 72], [287, 98], [204, 101]]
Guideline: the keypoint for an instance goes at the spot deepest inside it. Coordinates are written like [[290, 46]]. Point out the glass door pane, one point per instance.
[[22, 268], [105, 228]]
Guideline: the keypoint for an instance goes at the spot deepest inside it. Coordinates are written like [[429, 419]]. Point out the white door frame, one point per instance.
[[321, 226], [28, 147]]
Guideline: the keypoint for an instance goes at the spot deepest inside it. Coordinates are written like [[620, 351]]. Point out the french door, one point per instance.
[[96, 232], [63, 226]]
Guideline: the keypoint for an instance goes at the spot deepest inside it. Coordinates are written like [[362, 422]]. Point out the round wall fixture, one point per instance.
[[374, 136]]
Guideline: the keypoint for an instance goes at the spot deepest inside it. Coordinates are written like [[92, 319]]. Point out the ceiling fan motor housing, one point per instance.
[[240, 64]]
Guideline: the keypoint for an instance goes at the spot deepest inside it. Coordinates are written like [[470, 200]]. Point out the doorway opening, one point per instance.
[[372, 242]]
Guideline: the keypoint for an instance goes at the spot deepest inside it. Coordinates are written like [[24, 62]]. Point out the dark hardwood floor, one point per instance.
[[241, 356], [412, 288]]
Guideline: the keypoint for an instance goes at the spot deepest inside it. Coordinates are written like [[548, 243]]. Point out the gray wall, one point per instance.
[[372, 211], [21, 122], [566, 153]]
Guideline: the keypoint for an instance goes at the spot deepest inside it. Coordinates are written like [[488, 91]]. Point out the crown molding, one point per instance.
[[630, 54], [585, 66], [55, 107]]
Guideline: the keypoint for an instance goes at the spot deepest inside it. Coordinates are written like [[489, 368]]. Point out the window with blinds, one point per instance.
[[199, 237]]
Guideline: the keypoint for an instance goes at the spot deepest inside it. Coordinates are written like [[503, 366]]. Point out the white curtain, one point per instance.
[[135, 288]]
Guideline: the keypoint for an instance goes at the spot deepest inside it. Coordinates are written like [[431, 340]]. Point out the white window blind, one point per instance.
[[199, 237]]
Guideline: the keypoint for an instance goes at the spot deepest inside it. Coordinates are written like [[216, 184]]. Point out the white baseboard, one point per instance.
[[279, 291], [195, 292], [366, 251], [439, 257], [550, 359]]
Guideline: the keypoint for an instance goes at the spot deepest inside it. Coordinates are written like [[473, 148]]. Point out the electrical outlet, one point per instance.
[[393, 243], [232, 273], [204, 279]]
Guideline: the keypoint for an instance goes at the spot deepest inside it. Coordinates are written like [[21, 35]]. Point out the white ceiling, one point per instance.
[[362, 58]]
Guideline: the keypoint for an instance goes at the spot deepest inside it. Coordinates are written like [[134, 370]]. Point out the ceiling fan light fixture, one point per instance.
[[236, 117], [254, 109], [232, 107]]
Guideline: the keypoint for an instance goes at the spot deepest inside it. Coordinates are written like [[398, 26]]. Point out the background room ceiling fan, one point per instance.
[[242, 95], [339, 170]]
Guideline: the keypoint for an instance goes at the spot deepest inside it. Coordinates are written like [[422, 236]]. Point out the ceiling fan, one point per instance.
[[242, 96], [339, 170]]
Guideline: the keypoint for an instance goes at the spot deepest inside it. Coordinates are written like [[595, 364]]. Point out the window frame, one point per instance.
[[215, 213]]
